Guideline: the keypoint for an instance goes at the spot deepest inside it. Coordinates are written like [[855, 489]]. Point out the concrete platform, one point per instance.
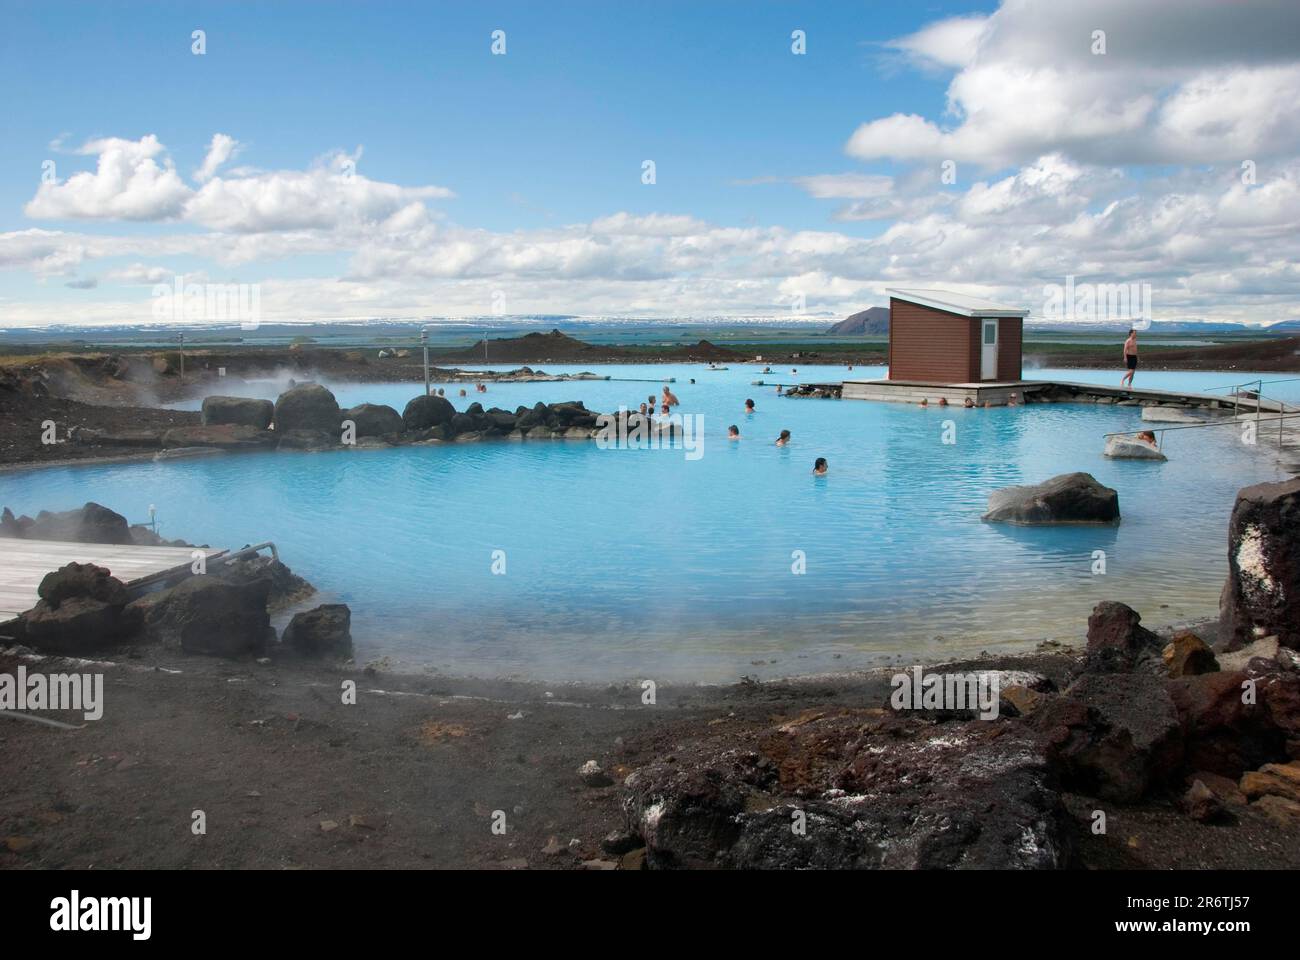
[[23, 564], [996, 393]]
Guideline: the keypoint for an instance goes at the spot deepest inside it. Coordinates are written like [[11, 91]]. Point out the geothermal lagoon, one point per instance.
[[559, 559]]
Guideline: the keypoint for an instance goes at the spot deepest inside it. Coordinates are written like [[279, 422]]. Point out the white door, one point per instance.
[[989, 351]]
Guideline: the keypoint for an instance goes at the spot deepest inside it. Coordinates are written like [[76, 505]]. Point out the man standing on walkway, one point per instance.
[[1130, 358]]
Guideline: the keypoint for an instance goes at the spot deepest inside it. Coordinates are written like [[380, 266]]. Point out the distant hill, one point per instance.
[[873, 320], [704, 351], [557, 347], [531, 347]]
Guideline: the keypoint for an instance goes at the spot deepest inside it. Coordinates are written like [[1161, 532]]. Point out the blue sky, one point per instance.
[[560, 124], [539, 148]]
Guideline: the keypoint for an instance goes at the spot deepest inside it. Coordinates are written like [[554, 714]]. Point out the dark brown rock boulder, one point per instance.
[[206, 614], [80, 612], [1202, 804], [286, 586], [237, 411], [308, 406], [374, 420], [502, 420], [427, 411], [82, 580], [685, 814], [1262, 594], [1225, 789], [526, 418], [9, 525], [91, 523], [1068, 498], [1225, 732], [1113, 736], [78, 626], [323, 632], [1117, 643]]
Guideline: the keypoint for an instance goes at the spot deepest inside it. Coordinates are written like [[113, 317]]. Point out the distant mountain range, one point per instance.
[[874, 321], [871, 322]]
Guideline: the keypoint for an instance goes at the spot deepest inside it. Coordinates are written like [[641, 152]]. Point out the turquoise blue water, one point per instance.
[[626, 564]]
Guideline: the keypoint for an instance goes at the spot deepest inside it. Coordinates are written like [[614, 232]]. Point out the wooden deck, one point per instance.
[[998, 392], [23, 563]]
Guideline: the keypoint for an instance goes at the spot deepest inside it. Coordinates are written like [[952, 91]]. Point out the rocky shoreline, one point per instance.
[[415, 772], [1149, 749], [40, 429]]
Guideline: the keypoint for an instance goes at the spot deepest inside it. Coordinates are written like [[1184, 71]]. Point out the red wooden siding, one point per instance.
[[928, 344]]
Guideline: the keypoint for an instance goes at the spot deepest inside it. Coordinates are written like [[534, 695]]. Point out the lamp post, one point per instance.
[[424, 343]]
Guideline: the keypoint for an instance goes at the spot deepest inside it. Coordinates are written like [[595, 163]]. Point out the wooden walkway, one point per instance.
[[23, 563]]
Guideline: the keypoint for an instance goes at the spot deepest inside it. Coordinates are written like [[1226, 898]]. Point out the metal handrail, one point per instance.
[[1233, 386], [240, 554], [1259, 397], [1160, 431]]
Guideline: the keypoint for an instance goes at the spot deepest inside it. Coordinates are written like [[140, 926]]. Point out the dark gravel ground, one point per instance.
[[289, 776], [22, 431]]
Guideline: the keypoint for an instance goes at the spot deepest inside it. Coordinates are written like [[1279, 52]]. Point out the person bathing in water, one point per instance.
[[1130, 358], [782, 440], [749, 406], [670, 398], [733, 432], [820, 467]]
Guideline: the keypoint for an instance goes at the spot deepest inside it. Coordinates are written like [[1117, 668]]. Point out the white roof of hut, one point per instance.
[[960, 303]]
